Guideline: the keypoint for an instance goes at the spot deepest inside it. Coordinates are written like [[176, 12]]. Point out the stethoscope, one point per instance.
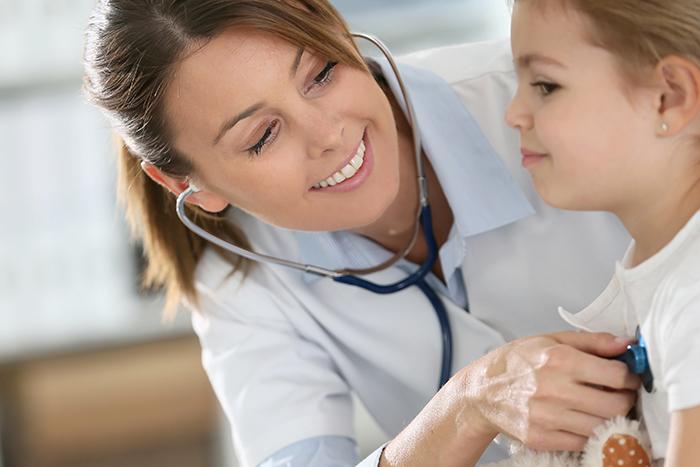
[[635, 357], [350, 276], [637, 360]]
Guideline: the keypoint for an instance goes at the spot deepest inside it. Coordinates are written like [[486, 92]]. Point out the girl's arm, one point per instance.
[[684, 440]]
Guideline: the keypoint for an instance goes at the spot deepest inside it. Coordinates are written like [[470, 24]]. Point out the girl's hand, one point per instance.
[[551, 391]]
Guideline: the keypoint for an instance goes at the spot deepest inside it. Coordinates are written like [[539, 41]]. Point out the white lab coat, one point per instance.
[[284, 353]]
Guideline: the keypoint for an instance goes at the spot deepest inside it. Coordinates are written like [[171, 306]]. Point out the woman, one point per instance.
[[301, 149]]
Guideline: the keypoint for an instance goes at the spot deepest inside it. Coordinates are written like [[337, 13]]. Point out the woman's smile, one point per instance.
[[353, 171]]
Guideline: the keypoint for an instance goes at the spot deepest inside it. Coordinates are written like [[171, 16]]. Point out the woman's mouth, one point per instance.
[[347, 172], [352, 173]]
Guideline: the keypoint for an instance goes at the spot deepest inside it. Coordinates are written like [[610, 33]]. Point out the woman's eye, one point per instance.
[[267, 137], [325, 75], [545, 88]]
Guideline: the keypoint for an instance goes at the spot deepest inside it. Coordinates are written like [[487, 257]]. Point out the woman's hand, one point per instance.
[[550, 392]]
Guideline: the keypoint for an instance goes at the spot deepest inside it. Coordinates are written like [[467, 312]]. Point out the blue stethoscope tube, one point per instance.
[[417, 278]]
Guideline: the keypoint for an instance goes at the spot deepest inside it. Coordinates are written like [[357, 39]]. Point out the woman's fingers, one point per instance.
[[547, 416], [551, 391], [612, 374], [585, 383], [596, 402], [601, 344], [590, 369], [555, 441]]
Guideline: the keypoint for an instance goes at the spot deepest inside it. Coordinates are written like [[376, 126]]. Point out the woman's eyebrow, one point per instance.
[[297, 61], [228, 124]]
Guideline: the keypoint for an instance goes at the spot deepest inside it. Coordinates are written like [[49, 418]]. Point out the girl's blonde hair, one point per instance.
[[132, 50], [641, 32]]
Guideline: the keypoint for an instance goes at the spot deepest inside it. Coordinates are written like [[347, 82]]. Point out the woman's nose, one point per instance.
[[325, 132]]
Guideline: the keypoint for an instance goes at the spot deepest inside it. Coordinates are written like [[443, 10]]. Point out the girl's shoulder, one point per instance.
[[677, 298], [684, 273]]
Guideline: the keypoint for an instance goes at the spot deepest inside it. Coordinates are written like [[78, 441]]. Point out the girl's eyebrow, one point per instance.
[[525, 61]]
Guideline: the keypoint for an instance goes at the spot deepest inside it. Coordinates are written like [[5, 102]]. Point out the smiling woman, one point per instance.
[[151, 135], [300, 147], [284, 119]]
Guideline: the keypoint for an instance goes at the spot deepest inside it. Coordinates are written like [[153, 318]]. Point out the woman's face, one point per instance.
[[284, 134]]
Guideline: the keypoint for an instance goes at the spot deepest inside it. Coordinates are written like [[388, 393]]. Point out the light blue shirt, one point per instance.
[[482, 194]]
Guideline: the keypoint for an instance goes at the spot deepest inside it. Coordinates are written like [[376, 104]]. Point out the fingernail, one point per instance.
[[623, 340]]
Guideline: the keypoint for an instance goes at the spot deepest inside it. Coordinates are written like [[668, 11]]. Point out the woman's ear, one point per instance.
[[679, 102], [206, 200]]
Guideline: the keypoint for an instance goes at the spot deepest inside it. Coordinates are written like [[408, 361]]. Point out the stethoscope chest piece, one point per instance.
[[637, 360]]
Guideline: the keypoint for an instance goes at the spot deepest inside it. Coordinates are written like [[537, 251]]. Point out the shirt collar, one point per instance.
[[480, 190]]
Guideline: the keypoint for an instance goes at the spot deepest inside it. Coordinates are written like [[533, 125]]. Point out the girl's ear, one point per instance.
[[679, 101], [206, 200]]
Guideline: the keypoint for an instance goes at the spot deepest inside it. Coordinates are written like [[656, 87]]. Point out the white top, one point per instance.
[[284, 351], [662, 297]]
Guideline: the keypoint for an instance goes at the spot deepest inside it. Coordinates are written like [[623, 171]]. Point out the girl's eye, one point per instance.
[[325, 75], [267, 137], [545, 88]]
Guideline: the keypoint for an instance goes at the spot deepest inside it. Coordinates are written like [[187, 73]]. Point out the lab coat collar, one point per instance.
[[478, 187]]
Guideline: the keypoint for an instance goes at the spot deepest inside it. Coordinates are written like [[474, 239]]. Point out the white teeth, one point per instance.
[[346, 172], [356, 162]]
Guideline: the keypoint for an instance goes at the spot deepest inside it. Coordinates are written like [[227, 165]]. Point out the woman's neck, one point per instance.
[[395, 228], [656, 220]]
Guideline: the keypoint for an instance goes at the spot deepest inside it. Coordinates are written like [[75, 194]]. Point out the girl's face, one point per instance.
[[284, 134], [588, 138]]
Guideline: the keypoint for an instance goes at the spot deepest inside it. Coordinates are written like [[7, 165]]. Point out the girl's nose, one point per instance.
[[517, 115]]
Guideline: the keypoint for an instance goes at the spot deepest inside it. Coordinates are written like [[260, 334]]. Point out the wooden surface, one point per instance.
[[150, 401]]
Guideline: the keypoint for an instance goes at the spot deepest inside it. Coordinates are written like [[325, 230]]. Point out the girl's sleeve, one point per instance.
[[678, 308]]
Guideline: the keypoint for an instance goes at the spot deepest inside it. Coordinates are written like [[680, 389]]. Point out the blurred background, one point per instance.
[[89, 373]]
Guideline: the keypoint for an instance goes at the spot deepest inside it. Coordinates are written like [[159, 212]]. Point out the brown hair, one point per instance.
[[641, 32], [132, 48]]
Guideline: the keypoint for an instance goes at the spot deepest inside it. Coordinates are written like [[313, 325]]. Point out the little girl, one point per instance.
[[608, 110]]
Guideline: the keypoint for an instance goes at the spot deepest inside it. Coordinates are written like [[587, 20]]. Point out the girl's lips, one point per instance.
[[359, 177], [530, 158]]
